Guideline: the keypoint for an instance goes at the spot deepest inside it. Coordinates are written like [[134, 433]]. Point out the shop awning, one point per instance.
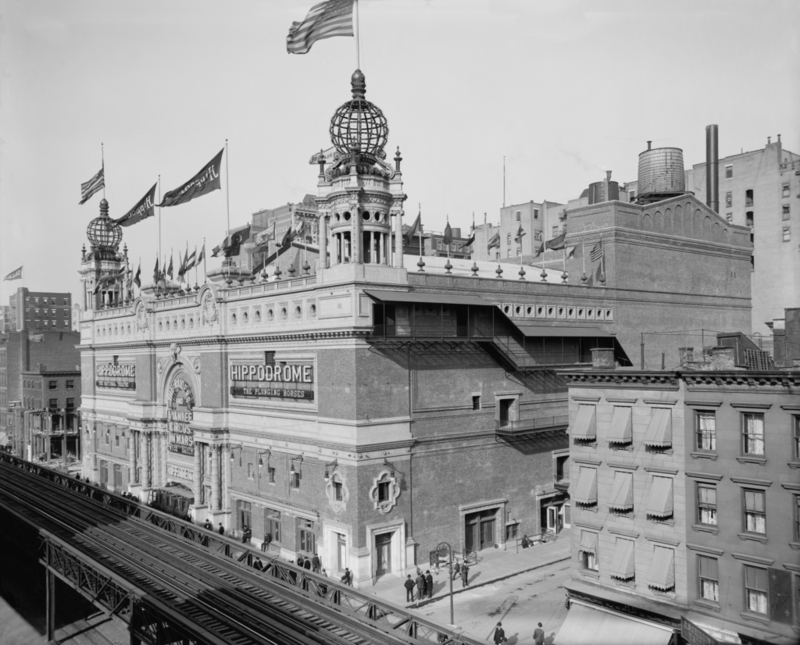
[[586, 490], [622, 492], [662, 569], [548, 331], [620, 430], [659, 432], [659, 502], [426, 298], [587, 625], [588, 543], [584, 426], [622, 565]]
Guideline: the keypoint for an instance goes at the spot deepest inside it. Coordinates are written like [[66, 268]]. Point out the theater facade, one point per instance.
[[367, 408]]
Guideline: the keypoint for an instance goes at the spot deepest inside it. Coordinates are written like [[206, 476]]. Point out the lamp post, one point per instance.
[[64, 437], [444, 546]]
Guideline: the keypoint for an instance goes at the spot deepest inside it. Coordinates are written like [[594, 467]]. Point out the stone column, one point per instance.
[[198, 472], [323, 242], [215, 484], [356, 239], [146, 481], [398, 239], [164, 453], [382, 249], [132, 457], [226, 477]]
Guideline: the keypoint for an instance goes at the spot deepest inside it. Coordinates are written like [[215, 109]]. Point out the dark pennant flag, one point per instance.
[[144, 208], [203, 182]]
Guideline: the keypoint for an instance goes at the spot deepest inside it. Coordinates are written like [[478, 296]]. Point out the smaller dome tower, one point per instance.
[[103, 267]]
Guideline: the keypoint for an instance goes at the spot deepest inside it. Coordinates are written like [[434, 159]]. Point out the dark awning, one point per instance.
[[539, 331], [427, 298]]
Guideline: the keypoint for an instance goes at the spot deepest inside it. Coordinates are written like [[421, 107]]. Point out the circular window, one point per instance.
[[378, 217], [337, 217], [506, 309], [365, 216], [346, 217]]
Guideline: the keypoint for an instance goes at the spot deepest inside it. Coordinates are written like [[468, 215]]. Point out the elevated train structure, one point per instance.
[[173, 582]]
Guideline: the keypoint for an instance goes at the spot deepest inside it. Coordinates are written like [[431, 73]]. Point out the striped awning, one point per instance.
[[588, 543], [659, 503], [662, 569], [584, 425], [659, 432], [620, 430], [621, 492], [593, 625], [622, 565], [586, 490]]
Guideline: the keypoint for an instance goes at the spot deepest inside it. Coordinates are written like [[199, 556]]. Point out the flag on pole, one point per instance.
[[156, 273], [90, 187], [597, 251], [170, 270], [520, 235], [137, 280], [494, 242], [324, 20], [183, 261], [415, 229], [263, 239], [191, 260], [16, 274], [556, 243], [202, 255], [203, 182], [470, 239], [144, 208], [447, 240]]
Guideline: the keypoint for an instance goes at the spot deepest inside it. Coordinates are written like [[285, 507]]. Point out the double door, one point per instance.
[[383, 553], [479, 530]]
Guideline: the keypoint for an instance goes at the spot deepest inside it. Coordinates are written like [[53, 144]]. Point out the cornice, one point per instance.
[[622, 379]]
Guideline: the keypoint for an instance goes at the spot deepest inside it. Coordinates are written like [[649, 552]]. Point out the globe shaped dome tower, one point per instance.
[[359, 130], [104, 235]]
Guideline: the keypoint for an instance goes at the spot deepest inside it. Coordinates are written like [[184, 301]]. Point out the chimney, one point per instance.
[[712, 167], [723, 358], [607, 186], [769, 140], [603, 358], [649, 145], [685, 355]]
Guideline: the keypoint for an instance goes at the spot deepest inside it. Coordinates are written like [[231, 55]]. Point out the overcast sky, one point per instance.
[[564, 89]]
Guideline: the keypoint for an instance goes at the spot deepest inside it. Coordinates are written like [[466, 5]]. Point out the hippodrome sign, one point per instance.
[[119, 375], [280, 381], [179, 415]]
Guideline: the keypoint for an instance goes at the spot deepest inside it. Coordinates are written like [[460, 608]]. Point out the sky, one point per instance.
[[562, 89]]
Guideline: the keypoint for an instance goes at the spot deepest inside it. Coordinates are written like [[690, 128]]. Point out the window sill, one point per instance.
[[706, 528], [590, 509], [704, 455], [754, 537], [668, 521], [752, 460], [794, 545], [707, 604], [760, 618], [590, 573], [628, 584], [794, 464], [624, 447], [626, 514]]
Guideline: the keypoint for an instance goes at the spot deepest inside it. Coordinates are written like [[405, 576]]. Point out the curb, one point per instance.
[[428, 601]]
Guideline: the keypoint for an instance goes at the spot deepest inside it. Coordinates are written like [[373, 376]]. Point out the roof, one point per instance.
[[539, 330], [586, 625], [427, 298]]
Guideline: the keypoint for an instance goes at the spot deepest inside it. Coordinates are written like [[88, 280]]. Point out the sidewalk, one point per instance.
[[493, 565]]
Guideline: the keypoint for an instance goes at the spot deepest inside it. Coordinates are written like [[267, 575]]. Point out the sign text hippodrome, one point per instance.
[[272, 373]]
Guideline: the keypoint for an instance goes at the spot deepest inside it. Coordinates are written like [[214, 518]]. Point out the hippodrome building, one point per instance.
[[369, 408]]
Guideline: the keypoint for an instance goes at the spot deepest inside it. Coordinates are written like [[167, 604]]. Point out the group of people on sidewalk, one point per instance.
[[500, 635], [422, 587]]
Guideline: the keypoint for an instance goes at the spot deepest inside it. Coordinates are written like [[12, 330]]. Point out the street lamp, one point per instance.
[[444, 546]]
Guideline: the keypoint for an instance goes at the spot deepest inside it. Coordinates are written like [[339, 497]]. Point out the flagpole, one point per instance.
[[504, 181], [205, 277], [583, 253], [103, 166], [227, 187], [159, 216], [358, 38]]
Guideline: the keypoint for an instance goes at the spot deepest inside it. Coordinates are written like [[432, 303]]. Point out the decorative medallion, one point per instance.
[[209, 308], [384, 492], [174, 351], [337, 492]]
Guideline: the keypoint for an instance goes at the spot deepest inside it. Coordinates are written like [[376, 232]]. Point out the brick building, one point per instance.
[[685, 503], [42, 310], [365, 408]]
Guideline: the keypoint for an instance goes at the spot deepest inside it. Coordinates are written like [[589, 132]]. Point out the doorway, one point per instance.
[[479, 530], [555, 519], [383, 553], [341, 552], [505, 411]]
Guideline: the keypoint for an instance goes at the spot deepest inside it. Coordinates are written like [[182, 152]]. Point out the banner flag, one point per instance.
[[324, 20], [556, 243], [170, 270], [137, 280], [447, 240], [89, 188], [156, 273], [597, 251], [16, 274], [494, 242], [203, 182], [144, 208], [520, 235], [263, 239]]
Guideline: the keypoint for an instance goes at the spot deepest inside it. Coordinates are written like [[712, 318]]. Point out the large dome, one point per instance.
[[358, 127], [103, 233]]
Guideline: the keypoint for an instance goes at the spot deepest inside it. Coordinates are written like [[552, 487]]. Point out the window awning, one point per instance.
[[584, 426], [426, 298], [659, 503], [588, 543], [622, 492], [659, 432], [586, 491], [587, 625], [622, 565], [548, 331], [620, 430], [662, 569]]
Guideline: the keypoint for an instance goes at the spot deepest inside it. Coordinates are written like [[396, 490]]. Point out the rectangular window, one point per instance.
[[631, 195], [251, 471], [294, 480], [535, 213], [756, 589], [476, 402], [706, 431], [272, 524], [787, 234], [337, 491], [512, 531], [53, 404], [308, 542], [70, 385], [729, 200], [752, 433], [796, 421], [785, 212], [116, 440], [519, 215], [708, 572], [53, 385], [707, 504], [797, 521], [728, 171], [590, 561], [785, 190], [271, 474], [70, 404], [755, 514], [729, 217], [383, 491]]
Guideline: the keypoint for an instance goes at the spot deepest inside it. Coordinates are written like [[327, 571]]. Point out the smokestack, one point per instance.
[[712, 167], [607, 186]]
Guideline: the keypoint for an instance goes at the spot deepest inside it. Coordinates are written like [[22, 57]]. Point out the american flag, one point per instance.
[[325, 20], [597, 251], [90, 187]]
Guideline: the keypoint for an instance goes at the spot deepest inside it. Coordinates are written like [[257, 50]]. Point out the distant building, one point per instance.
[[44, 310], [6, 319], [761, 189]]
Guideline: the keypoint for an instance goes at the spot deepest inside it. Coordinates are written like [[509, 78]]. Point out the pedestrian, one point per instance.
[[307, 564], [499, 634], [538, 635], [409, 585], [348, 577], [456, 570], [464, 575], [315, 563], [300, 561], [420, 586], [246, 535], [208, 525], [221, 529], [257, 565], [428, 584], [324, 573], [525, 542], [267, 541]]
